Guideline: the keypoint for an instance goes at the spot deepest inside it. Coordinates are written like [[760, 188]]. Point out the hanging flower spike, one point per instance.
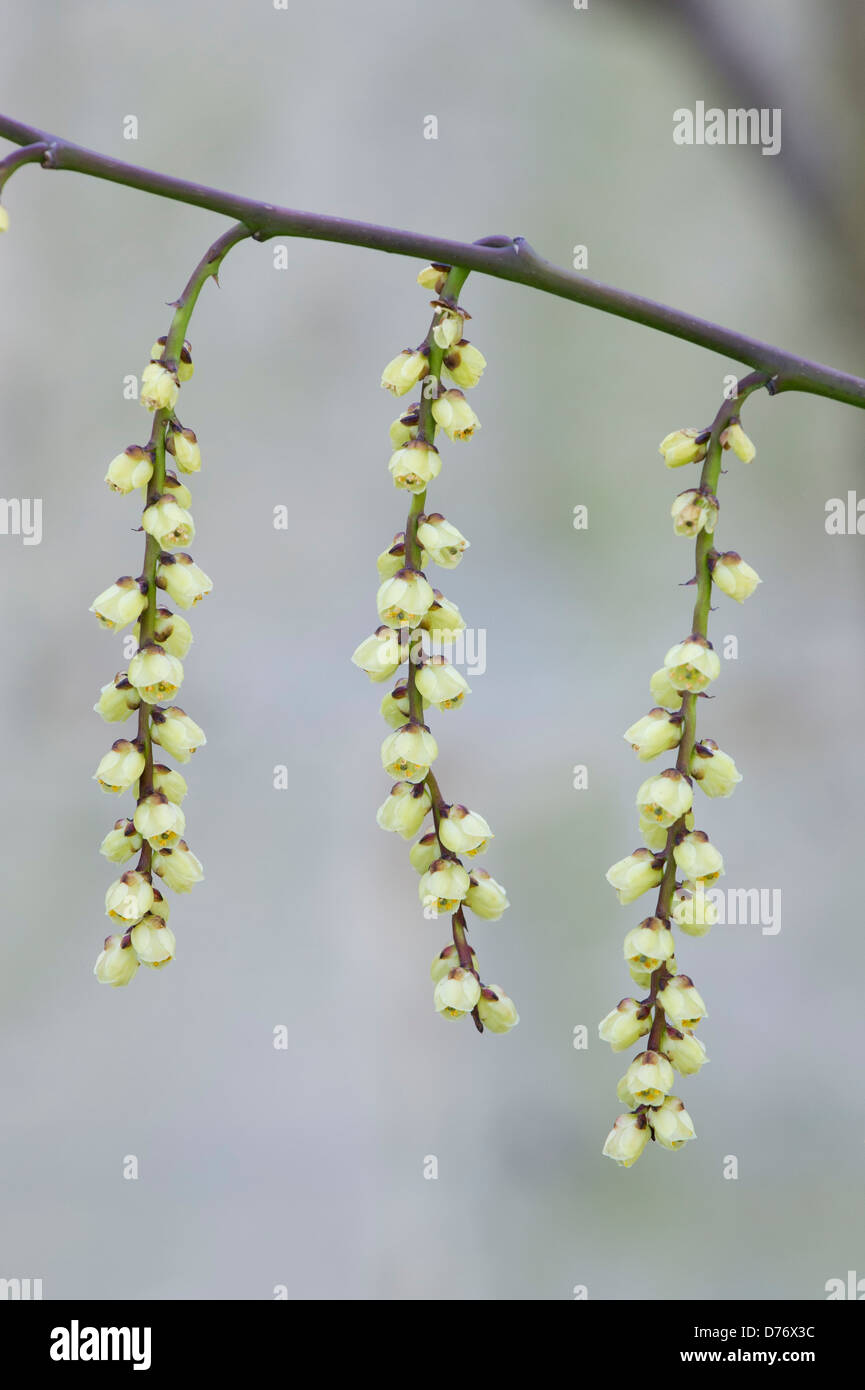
[[415, 619], [155, 673], [665, 802]]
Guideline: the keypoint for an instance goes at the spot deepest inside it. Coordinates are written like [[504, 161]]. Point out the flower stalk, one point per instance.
[[673, 1006], [156, 670], [412, 613]]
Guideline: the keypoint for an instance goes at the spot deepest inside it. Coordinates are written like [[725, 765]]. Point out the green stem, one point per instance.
[[504, 257]]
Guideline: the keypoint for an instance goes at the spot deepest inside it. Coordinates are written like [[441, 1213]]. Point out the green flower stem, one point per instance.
[[709, 478], [207, 267], [504, 257]]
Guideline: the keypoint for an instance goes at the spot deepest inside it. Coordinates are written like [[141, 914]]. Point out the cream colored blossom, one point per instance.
[[496, 1010], [627, 1139], [116, 964], [456, 994]]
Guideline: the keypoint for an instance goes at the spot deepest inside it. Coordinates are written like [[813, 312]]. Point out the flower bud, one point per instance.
[[714, 772], [116, 964], [117, 699], [121, 842], [433, 277], [443, 886], [179, 867], [405, 371], [453, 414], [380, 655], [691, 910], [486, 897], [408, 752], [403, 600], [129, 470], [635, 875], [671, 1124], [735, 438], [177, 491], [649, 1078], [457, 993], [657, 732], [171, 631], [404, 809], [119, 604], [122, 766], [496, 1011], [441, 684], [183, 444], [160, 906], [415, 465], [464, 364], [443, 617], [182, 579], [733, 575], [185, 368], [159, 387], [4, 220], [463, 831], [447, 961], [448, 327], [168, 523], [681, 1002], [394, 707], [129, 897], [649, 944], [624, 1024], [153, 942], [685, 1050], [179, 735], [682, 447], [405, 426], [692, 664], [155, 674], [694, 511], [159, 820], [664, 691], [391, 561], [666, 798], [697, 858], [172, 784], [627, 1139], [442, 542], [423, 854]]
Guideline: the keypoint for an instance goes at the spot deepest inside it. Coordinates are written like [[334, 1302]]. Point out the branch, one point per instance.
[[506, 258]]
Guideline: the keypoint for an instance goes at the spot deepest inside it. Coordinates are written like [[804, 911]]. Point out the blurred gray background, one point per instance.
[[304, 1167]]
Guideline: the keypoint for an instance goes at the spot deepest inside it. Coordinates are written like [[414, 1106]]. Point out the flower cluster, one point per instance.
[[416, 623], [678, 860], [155, 833]]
